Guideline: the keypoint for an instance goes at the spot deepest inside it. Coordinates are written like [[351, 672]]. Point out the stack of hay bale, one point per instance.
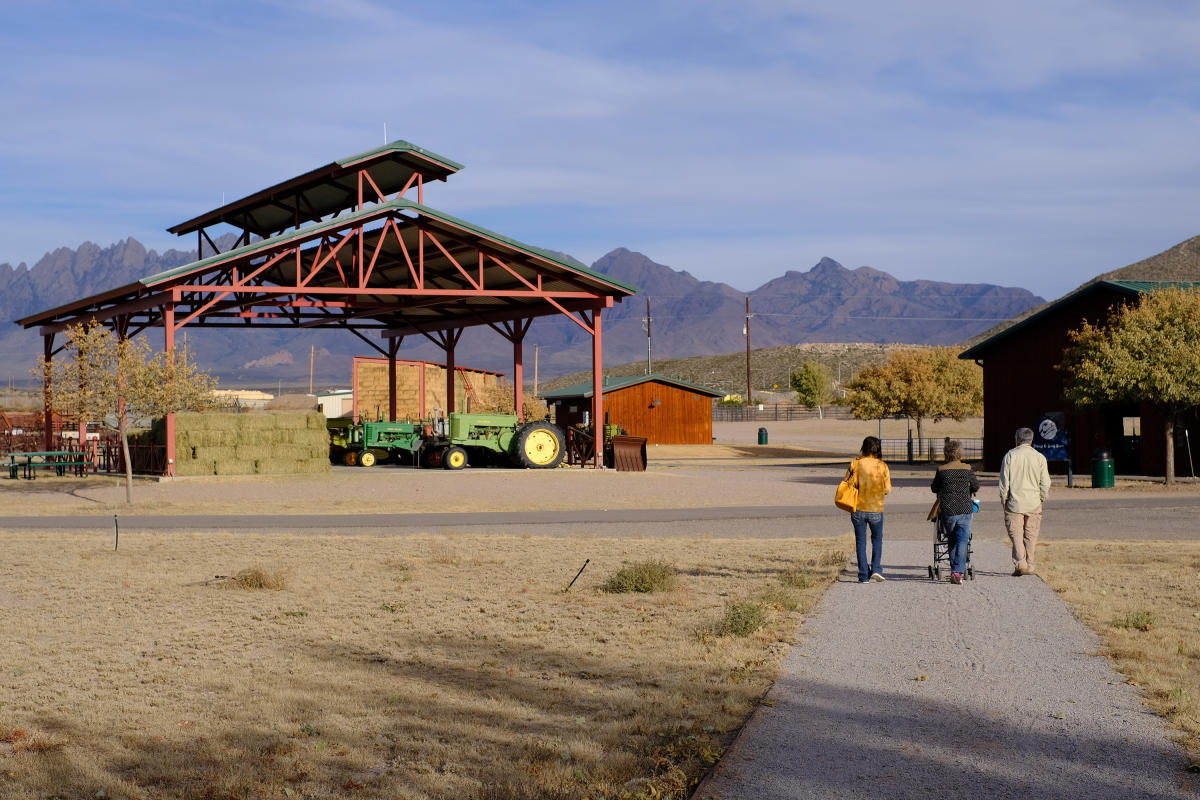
[[268, 443]]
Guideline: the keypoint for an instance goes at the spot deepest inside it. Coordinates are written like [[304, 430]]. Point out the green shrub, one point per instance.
[[1138, 620], [644, 576], [742, 618]]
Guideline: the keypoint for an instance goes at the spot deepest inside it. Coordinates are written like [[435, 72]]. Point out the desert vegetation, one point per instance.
[[1143, 600], [413, 667]]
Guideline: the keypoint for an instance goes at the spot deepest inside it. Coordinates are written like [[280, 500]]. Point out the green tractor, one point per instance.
[[451, 443]]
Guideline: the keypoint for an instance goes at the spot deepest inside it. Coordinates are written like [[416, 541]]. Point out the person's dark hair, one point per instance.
[[952, 449], [871, 447]]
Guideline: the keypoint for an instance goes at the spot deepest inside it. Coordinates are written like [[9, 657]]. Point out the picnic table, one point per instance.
[[60, 460]]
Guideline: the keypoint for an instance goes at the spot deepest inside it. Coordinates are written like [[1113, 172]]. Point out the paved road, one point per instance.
[[912, 688], [1156, 517]]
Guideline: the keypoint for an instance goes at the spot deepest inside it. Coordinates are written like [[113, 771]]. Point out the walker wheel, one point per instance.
[[931, 572], [937, 573], [970, 572]]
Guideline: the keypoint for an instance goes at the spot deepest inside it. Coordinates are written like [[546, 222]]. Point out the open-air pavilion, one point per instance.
[[347, 246]]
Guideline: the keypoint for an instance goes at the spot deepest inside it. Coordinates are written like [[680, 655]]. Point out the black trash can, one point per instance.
[[1102, 469], [762, 435]]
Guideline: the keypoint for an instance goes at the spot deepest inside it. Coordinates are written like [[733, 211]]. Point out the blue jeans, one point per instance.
[[860, 520], [958, 537]]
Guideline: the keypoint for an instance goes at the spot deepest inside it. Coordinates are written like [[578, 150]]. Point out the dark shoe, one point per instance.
[[956, 577], [1017, 572]]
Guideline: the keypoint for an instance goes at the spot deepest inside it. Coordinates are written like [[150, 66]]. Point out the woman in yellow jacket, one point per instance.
[[871, 476]]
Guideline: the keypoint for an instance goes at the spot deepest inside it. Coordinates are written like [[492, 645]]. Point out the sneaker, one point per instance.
[[875, 576], [956, 577]]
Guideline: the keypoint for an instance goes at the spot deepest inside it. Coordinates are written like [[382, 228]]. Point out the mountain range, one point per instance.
[[688, 317]]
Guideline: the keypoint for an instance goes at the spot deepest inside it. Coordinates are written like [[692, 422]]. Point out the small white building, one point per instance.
[[242, 398], [336, 403]]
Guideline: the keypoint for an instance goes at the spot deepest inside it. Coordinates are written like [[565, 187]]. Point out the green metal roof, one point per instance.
[[1128, 288], [614, 383], [400, 146], [325, 190]]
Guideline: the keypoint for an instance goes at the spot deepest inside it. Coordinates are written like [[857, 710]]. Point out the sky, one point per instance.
[[1031, 143]]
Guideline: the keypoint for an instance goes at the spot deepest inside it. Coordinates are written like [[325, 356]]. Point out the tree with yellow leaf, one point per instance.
[[1147, 352], [106, 379], [919, 383]]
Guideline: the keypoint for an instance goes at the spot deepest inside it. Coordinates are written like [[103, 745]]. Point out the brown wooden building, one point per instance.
[[1022, 383], [661, 409]]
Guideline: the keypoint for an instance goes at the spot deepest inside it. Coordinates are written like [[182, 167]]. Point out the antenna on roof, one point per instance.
[[385, 133]]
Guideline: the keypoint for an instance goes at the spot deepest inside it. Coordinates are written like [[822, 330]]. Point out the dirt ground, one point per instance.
[[799, 467]]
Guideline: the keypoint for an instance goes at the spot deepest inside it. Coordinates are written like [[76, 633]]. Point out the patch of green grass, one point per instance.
[[644, 576], [797, 579], [780, 598], [742, 618], [1138, 620]]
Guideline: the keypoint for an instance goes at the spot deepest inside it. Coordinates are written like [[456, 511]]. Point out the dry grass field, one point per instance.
[[1143, 599], [410, 667]]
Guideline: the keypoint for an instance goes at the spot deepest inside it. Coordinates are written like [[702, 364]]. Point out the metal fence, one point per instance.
[[928, 449], [147, 459], [780, 412]]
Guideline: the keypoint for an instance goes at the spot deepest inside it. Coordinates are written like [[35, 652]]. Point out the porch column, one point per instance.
[[169, 349], [47, 409], [598, 386]]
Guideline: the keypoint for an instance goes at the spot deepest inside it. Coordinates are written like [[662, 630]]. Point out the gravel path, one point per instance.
[[910, 688]]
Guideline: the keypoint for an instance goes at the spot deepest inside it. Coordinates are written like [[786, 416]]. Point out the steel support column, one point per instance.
[[393, 346], [519, 373], [450, 342], [169, 348], [47, 409], [598, 386]]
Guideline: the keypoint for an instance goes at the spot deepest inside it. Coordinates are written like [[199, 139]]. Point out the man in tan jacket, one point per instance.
[[1024, 484]]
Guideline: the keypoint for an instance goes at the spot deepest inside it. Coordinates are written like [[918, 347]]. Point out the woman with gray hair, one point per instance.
[[955, 482]]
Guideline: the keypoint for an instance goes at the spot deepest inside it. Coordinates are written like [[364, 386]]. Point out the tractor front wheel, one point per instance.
[[454, 458], [540, 445], [366, 459]]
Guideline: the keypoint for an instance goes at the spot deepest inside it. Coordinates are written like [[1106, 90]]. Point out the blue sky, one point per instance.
[[1033, 143]]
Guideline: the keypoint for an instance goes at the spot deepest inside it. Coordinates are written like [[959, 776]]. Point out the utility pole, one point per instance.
[[312, 354], [747, 332], [535, 366], [646, 322]]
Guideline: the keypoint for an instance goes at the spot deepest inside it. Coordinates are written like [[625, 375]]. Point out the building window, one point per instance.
[[1131, 426]]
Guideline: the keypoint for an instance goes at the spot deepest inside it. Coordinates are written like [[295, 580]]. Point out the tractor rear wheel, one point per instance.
[[366, 459], [454, 458], [540, 445]]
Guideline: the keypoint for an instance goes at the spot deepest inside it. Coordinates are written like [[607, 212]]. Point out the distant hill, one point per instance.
[[1178, 263], [689, 317], [770, 367]]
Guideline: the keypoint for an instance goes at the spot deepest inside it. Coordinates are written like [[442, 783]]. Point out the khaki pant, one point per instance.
[[1023, 531]]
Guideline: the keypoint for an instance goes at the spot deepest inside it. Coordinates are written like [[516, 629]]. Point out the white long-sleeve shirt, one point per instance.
[[1024, 480]]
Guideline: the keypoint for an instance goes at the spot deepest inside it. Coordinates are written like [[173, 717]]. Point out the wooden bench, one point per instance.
[[58, 460]]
